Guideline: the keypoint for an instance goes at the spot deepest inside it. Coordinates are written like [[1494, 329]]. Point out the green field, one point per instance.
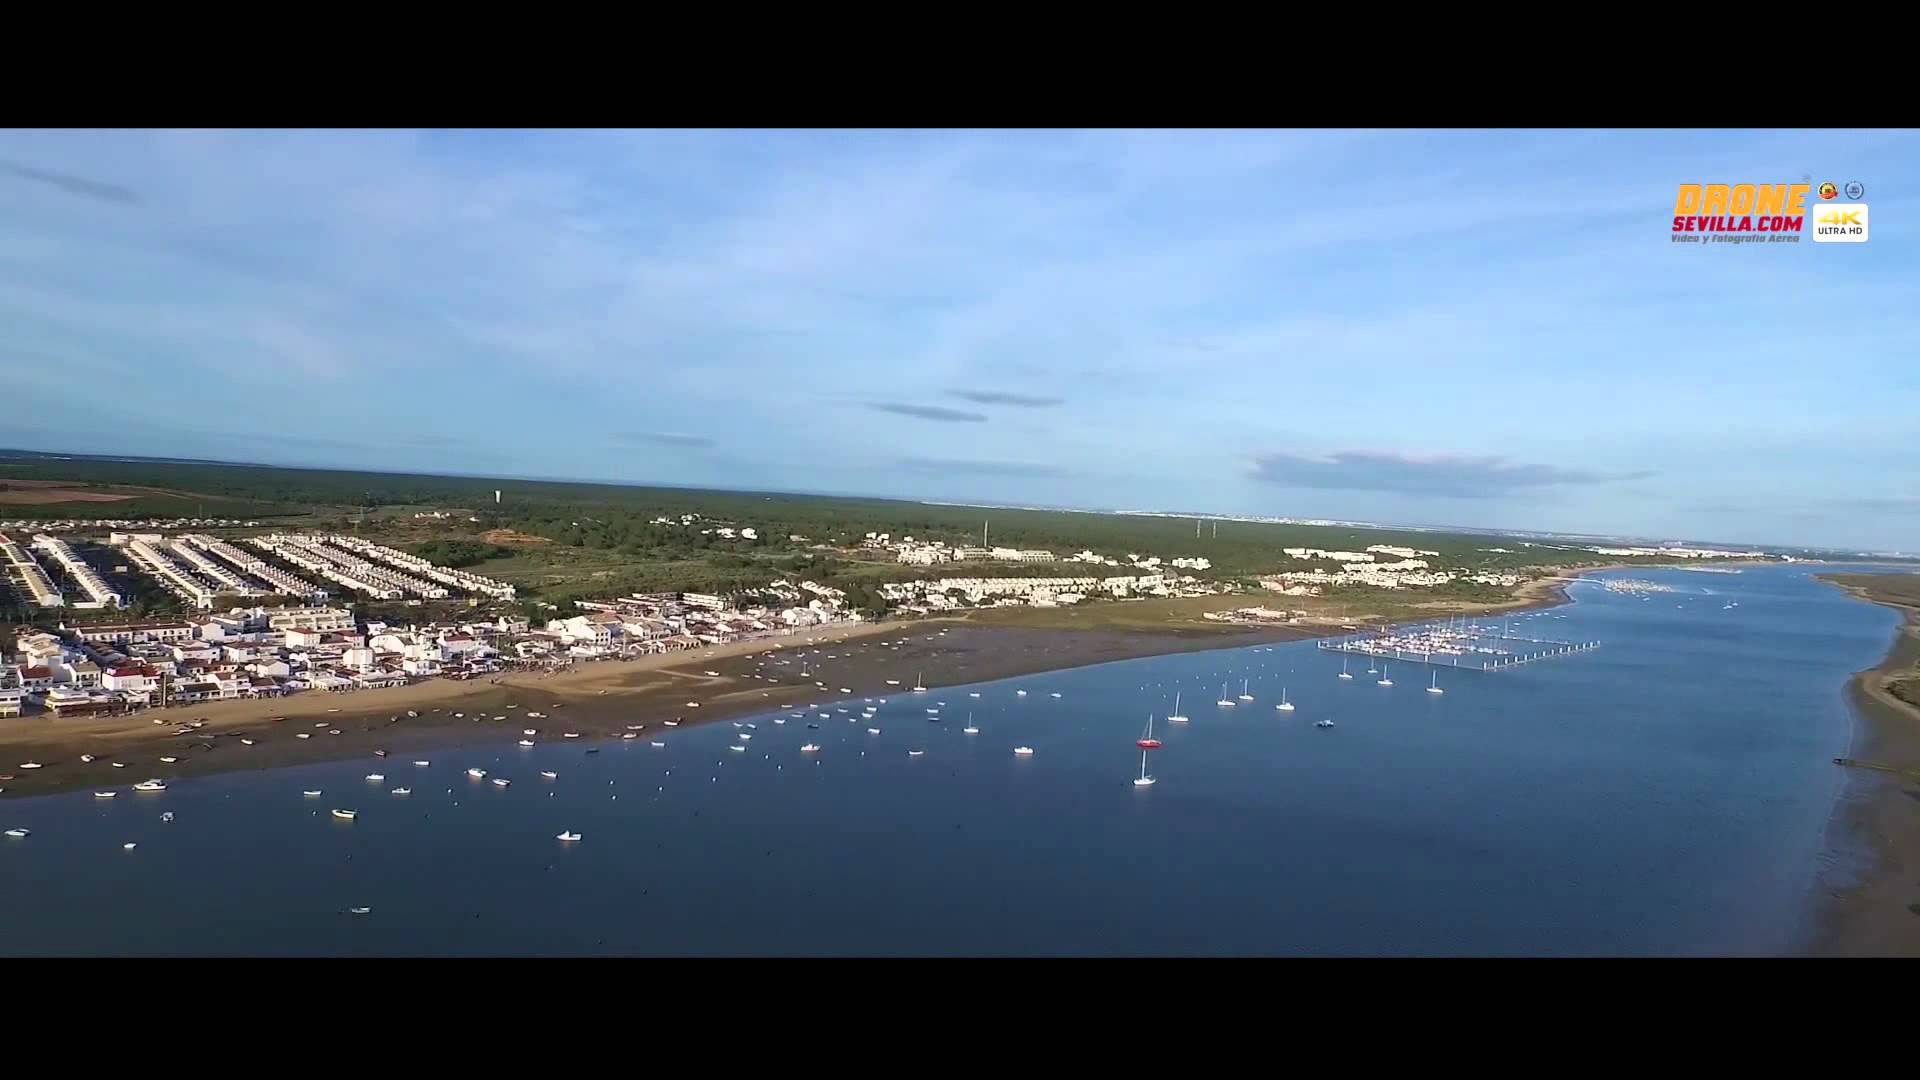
[[557, 542]]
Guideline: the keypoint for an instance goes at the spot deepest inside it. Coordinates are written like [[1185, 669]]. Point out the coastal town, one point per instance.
[[277, 612]]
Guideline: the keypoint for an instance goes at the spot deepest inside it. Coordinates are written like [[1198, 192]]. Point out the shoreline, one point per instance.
[[600, 699], [1872, 906]]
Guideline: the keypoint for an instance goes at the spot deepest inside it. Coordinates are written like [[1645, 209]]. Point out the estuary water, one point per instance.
[[1665, 794]]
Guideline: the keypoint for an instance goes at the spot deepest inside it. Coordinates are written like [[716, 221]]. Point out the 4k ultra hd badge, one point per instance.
[[1840, 223]]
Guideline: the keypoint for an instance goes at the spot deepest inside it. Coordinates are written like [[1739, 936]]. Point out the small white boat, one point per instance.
[[1435, 687], [635, 727], [477, 773], [1023, 751], [501, 781], [150, 785], [810, 748], [311, 794], [529, 731], [374, 777], [129, 846], [536, 716], [745, 735], [1019, 693], [933, 712], [169, 760], [657, 742], [549, 774], [569, 837], [304, 735], [18, 834], [358, 910], [915, 753], [738, 747], [103, 794], [413, 714], [118, 764], [693, 704], [779, 720], [345, 814], [629, 735], [1244, 696], [1056, 693], [1175, 717], [84, 758], [1323, 723], [918, 687], [421, 764], [1143, 780], [672, 723], [460, 716], [1385, 679], [1344, 673], [873, 731], [403, 791], [526, 742], [168, 816], [893, 682], [569, 734], [1285, 705]]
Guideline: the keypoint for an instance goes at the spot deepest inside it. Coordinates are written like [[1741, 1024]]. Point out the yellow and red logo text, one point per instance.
[[1776, 208]]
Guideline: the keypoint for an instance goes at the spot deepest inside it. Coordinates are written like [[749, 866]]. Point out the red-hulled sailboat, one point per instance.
[[1147, 741]]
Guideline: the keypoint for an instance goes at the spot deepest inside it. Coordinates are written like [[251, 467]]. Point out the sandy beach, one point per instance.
[[595, 699], [1873, 884]]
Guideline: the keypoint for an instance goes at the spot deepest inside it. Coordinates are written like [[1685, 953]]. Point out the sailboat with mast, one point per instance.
[[1385, 679], [1244, 696], [1344, 673], [1175, 717], [1147, 741], [1143, 780], [1225, 702], [1285, 705], [918, 686], [970, 729], [1435, 687]]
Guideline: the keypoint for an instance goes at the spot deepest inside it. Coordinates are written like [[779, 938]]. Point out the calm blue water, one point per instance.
[[1666, 794]]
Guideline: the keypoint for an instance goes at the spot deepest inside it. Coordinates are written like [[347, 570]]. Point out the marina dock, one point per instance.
[[1460, 645]]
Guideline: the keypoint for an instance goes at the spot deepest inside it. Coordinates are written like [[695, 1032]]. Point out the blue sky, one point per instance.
[[1473, 328]]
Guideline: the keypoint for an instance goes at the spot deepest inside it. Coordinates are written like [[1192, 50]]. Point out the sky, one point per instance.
[[1476, 328]]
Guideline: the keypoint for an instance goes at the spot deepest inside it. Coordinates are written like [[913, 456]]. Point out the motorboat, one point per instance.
[[169, 760], [150, 785], [19, 834], [1323, 723], [737, 747], [103, 794], [374, 777], [311, 794], [345, 815], [549, 774], [657, 742], [569, 837], [421, 764], [569, 734], [477, 773], [1023, 751], [526, 742], [529, 731], [501, 781], [1285, 705], [304, 735], [85, 758], [915, 753], [403, 791], [629, 735], [873, 731], [810, 748]]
